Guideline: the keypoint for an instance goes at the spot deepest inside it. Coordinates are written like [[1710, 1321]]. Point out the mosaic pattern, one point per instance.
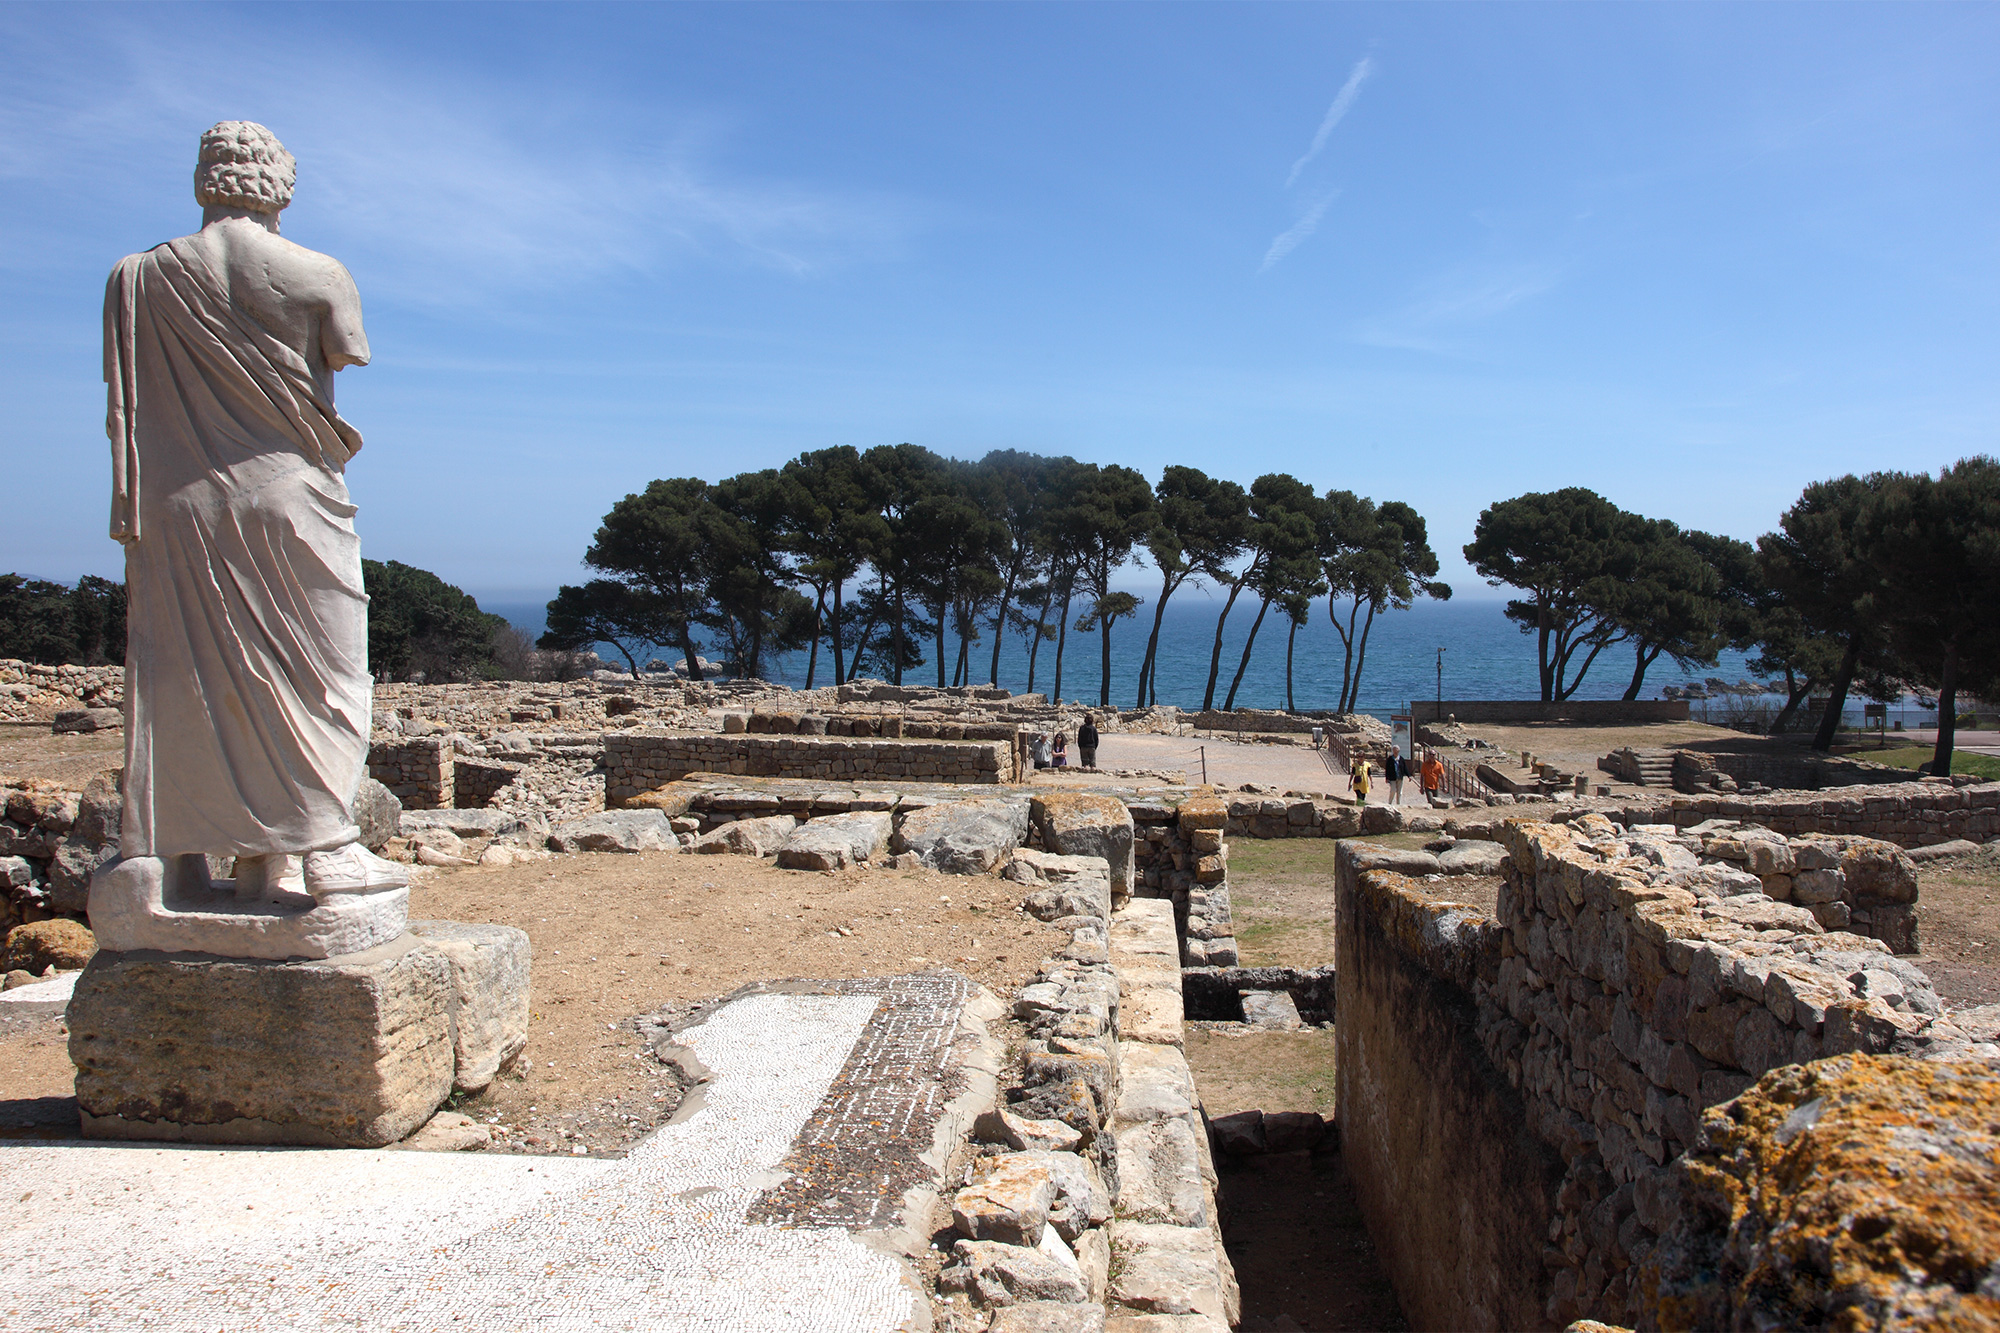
[[186, 1239], [861, 1149]]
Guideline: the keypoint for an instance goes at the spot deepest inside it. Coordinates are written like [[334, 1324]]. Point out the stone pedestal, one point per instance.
[[351, 1051], [170, 904]]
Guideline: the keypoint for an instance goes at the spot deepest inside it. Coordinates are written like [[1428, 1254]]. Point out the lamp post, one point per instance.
[[1439, 715]]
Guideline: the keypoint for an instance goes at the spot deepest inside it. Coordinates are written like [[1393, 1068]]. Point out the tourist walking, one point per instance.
[[1086, 741], [1358, 781], [1432, 774], [1396, 769]]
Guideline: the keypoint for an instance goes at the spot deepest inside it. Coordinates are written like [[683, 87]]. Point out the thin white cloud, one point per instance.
[[449, 191], [1288, 241], [1452, 302], [1342, 102]]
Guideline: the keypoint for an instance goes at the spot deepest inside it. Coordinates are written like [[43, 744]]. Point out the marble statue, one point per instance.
[[247, 690]]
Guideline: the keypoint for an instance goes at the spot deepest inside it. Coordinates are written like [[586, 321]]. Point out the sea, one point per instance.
[[1460, 649]]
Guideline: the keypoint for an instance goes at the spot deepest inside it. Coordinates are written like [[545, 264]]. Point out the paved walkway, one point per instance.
[[1233, 763], [100, 1236]]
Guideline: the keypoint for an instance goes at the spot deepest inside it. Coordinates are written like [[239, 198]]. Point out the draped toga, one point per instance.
[[246, 669]]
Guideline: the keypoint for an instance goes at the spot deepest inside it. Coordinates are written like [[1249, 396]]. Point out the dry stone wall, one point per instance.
[[1562, 1057], [636, 763], [1180, 855], [419, 771], [33, 692]]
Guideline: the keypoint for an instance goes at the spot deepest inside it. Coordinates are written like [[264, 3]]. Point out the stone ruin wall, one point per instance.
[[1180, 855], [1517, 1096], [635, 763]]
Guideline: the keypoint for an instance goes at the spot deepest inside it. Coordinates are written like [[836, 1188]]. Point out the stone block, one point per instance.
[[965, 837], [1048, 1317], [996, 1274], [490, 966], [834, 841], [1007, 1201], [1077, 824], [1159, 1174], [1161, 1269], [148, 903], [748, 837], [1022, 1134], [615, 831], [1292, 1131], [355, 1051]]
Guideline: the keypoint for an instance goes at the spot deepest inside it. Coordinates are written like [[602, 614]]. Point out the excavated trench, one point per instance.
[[1290, 1223]]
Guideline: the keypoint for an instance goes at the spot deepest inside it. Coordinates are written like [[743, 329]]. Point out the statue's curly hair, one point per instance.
[[244, 166]]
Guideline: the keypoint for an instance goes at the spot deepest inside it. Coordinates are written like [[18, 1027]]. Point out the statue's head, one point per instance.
[[244, 166]]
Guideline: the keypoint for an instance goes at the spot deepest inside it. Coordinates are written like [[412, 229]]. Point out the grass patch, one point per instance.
[[1909, 756]]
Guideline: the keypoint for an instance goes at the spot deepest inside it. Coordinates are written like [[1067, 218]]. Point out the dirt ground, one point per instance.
[[27, 750], [1300, 1249], [1958, 927], [616, 937]]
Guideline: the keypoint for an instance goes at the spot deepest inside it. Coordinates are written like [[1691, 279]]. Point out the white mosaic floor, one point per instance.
[[245, 1240]]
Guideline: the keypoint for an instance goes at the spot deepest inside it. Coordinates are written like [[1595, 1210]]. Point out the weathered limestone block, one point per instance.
[[997, 1274], [1857, 1191], [1008, 1200], [832, 842], [1162, 1269], [1023, 1134], [1076, 824], [354, 1051], [748, 837], [615, 831], [1472, 858], [490, 966], [1402, 861], [1048, 1317], [1159, 1174], [965, 837], [378, 814], [149, 903]]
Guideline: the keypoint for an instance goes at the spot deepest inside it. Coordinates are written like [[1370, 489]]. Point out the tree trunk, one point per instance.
[[1248, 644], [1542, 649], [1290, 639], [1215, 654], [896, 638], [1947, 727], [1361, 660], [687, 651], [819, 622], [839, 667], [1795, 694], [1104, 661], [1645, 661], [1000, 622], [1837, 695], [1041, 624], [1347, 690], [1146, 667], [1062, 642], [943, 611]]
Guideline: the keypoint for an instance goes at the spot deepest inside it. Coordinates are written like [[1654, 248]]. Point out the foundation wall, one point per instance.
[[636, 763], [1587, 712], [1515, 1094], [421, 773], [1457, 1193]]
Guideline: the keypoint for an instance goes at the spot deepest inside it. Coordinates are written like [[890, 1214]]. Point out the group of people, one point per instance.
[[1053, 751], [1395, 770]]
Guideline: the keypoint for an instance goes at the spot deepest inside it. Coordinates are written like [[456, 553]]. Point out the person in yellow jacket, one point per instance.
[[1359, 781]]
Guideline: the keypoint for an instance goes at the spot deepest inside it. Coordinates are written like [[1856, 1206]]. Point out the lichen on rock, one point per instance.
[[1854, 1192]]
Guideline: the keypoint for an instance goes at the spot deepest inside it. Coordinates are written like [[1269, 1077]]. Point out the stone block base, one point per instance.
[[352, 1051], [489, 977], [150, 902]]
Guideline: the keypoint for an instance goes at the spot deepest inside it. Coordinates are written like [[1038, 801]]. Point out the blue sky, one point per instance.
[[1693, 256]]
